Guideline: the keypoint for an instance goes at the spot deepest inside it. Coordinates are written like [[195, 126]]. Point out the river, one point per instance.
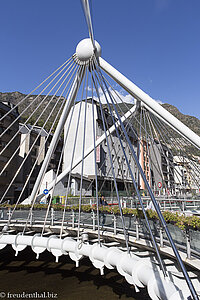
[[24, 277]]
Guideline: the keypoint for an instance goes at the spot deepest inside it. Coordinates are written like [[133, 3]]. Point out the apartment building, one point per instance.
[[162, 168], [145, 164], [186, 175]]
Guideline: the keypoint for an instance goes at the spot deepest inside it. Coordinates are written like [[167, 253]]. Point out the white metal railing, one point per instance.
[[111, 223], [130, 202]]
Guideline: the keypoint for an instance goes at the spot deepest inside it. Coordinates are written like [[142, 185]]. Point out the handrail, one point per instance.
[[187, 248]]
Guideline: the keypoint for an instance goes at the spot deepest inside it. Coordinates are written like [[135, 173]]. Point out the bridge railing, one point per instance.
[[164, 203], [132, 202], [187, 241]]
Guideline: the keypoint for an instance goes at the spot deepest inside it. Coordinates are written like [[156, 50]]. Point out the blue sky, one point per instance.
[[155, 43]]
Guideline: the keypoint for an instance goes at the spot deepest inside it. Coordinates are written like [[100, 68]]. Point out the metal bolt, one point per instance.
[[85, 237]]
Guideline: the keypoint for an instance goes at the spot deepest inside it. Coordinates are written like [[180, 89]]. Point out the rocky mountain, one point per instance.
[[190, 121], [46, 105]]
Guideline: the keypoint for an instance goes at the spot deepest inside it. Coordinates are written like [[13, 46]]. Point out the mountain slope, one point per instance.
[[190, 121], [15, 97]]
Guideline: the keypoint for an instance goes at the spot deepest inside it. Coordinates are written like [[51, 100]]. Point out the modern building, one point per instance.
[[61, 189], [186, 176], [162, 168], [162, 171], [109, 155], [10, 129], [34, 144], [144, 159]]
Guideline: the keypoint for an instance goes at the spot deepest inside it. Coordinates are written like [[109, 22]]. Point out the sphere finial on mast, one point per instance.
[[85, 50]]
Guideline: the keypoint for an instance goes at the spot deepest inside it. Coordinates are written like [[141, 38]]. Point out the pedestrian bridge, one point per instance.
[[139, 267], [93, 143]]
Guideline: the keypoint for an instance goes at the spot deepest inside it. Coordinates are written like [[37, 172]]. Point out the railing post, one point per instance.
[[183, 206], [2, 214], [124, 203], [31, 218], [52, 216], [115, 224], [73, 219], [9, 214], [188, 245], [93, 220], [147, 203], [161, 236], [131, 203], [137, 229]]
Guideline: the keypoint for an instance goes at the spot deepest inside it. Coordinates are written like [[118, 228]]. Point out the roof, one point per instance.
[[26, 128], [6, 106]]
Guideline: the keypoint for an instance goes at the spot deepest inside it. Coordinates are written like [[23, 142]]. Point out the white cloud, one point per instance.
[[88, 88], [119, 96], [159, 101]]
